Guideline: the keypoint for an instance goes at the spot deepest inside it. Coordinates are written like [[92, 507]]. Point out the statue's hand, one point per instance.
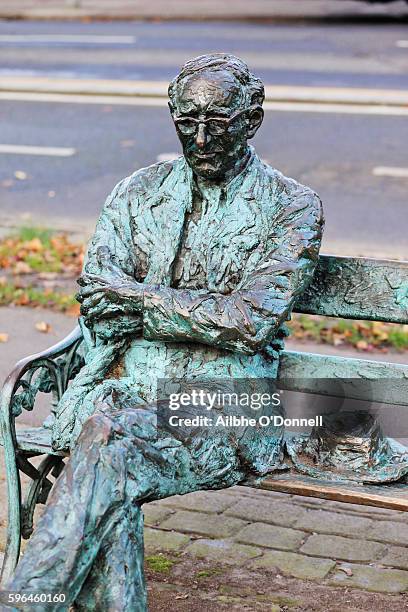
[[110, 293], [102, 298]]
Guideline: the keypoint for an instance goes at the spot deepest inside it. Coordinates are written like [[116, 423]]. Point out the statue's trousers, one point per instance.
[[89, 541]]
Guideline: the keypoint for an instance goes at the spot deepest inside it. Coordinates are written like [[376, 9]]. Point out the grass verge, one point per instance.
[[363, 335], [34, 297], [159, 563], [33, 249]]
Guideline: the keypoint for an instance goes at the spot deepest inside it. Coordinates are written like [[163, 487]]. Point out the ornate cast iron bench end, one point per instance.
[[49, 372]]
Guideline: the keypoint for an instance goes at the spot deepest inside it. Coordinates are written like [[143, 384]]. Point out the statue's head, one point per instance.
[[216, 105]]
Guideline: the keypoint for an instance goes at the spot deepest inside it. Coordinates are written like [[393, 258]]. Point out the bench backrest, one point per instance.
[[352, 288], [358, 288]]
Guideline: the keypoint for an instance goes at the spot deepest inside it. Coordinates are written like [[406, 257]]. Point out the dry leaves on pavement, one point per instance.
[[43, 327]]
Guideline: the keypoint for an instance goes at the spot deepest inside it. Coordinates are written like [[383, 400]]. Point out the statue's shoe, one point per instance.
[[349, 447]]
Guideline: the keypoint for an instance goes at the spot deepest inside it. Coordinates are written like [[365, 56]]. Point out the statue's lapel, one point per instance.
[[163, 221]]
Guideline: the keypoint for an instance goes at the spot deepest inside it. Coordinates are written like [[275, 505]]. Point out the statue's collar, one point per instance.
[[227, 189]]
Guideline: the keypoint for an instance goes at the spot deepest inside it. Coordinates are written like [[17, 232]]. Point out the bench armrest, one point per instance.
[[48, 371]]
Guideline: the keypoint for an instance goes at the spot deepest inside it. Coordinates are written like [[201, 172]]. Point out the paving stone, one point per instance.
[[154, 539], [271, 536], [322, 521], [155, 514], [201, 501], [308, 502], [372, 579], [389, 531], [215, 526], [397, 556], [255, 492], [276, 512], [403, 518], [346, 549], [224, 551], [250, 491], [369, 511], [293, 564]]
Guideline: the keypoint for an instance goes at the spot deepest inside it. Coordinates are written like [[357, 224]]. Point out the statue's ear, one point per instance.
[[255, 116]]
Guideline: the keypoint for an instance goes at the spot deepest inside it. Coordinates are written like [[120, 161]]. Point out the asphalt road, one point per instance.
[[341, 54], [337, 154], [334, 154]]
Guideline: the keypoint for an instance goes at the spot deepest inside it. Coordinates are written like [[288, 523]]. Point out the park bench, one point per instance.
[[351, 288]]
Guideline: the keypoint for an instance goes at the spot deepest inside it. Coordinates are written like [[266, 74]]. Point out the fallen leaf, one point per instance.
[[4, 337], [182, 596], [22, 268], [127, 143], [346, 570], [34, 245], [3, 281], [20, 175], [43, 327], [362, 345], [22, 300]]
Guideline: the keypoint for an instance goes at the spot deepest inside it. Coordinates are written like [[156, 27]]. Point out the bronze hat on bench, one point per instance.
[[350, 446]]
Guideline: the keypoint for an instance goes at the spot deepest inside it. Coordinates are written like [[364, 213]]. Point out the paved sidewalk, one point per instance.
[[318, 542], [331, 542], [187, 9]]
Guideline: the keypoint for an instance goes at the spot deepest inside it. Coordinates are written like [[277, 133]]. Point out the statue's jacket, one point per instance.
[[257, 243]]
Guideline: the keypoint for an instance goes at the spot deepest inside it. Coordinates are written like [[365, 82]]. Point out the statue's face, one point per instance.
[[212, 123]]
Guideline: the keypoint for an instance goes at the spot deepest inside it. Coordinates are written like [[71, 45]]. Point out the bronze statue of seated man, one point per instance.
[[192, 272]]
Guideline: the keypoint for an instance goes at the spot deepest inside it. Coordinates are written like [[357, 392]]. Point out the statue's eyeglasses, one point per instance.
[[215, 125]]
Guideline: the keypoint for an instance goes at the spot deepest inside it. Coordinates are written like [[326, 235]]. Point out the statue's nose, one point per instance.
[[201, 138]]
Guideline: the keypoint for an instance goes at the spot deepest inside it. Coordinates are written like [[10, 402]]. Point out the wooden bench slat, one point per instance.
[[358, 288], [308, 373], [391, 496]]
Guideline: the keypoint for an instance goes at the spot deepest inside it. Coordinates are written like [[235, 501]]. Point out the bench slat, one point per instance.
[[358, 288], [36, 440], [307, 372], [392, 496]]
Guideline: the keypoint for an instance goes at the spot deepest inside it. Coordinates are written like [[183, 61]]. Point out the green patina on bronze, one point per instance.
[[356, 288], [194, 267]]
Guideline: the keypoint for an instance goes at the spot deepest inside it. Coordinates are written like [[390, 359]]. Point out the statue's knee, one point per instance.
[[99, 426]]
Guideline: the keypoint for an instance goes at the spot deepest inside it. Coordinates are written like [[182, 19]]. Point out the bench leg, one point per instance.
[[38, 492], [12, 552]]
